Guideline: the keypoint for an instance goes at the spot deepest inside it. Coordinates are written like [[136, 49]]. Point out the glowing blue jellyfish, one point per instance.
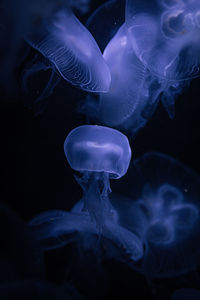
[[186, 294], [98, 153], [134, 91], [133, 94], [172, 36], [163, 200], [71, 49]]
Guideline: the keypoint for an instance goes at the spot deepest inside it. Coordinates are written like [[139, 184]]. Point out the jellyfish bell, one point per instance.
[[72, 50], [99, 153]]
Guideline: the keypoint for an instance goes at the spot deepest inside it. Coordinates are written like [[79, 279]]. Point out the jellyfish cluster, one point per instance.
[[141, 212]]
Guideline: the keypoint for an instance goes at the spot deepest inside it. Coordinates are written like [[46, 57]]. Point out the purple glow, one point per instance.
[[129, 102], [99, 153], [54, 229], [161, 206], [172, 37], [72, 50], [98, 149]]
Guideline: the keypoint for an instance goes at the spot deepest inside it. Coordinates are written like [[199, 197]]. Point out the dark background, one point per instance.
[[35, 175]]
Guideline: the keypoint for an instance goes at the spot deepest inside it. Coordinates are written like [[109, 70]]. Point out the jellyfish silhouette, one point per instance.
[[186, 294], [99, 154], [164, 205], [72, 50]]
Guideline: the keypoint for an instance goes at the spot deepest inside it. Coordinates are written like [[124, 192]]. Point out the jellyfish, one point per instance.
[[99, 154], [172, 34], [186, 294], [134, 92], [163, 200], [72, 50]]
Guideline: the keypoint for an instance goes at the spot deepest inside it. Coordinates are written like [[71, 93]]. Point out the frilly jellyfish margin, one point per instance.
[[72, 53]]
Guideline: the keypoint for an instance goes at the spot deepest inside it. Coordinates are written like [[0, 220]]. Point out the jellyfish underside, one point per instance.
[[162, 208], [170, 219], [169, 205], [172, 33]]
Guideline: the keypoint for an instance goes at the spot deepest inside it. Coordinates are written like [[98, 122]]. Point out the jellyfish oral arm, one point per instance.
[[53, 229]]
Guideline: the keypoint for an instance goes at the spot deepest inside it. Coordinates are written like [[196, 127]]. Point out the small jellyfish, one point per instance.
[[186, 294], [99, 154], [164, 202], [72, 50]]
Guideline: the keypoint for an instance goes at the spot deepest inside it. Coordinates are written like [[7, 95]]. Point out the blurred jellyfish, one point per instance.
[[71, 49], [186, 294], [99, 154], [57, 228], [164, 205], [172, 35]]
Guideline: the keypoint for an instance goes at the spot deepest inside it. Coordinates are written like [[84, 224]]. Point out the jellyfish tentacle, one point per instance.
[[95, 195], [53, 229], [41, 103]]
